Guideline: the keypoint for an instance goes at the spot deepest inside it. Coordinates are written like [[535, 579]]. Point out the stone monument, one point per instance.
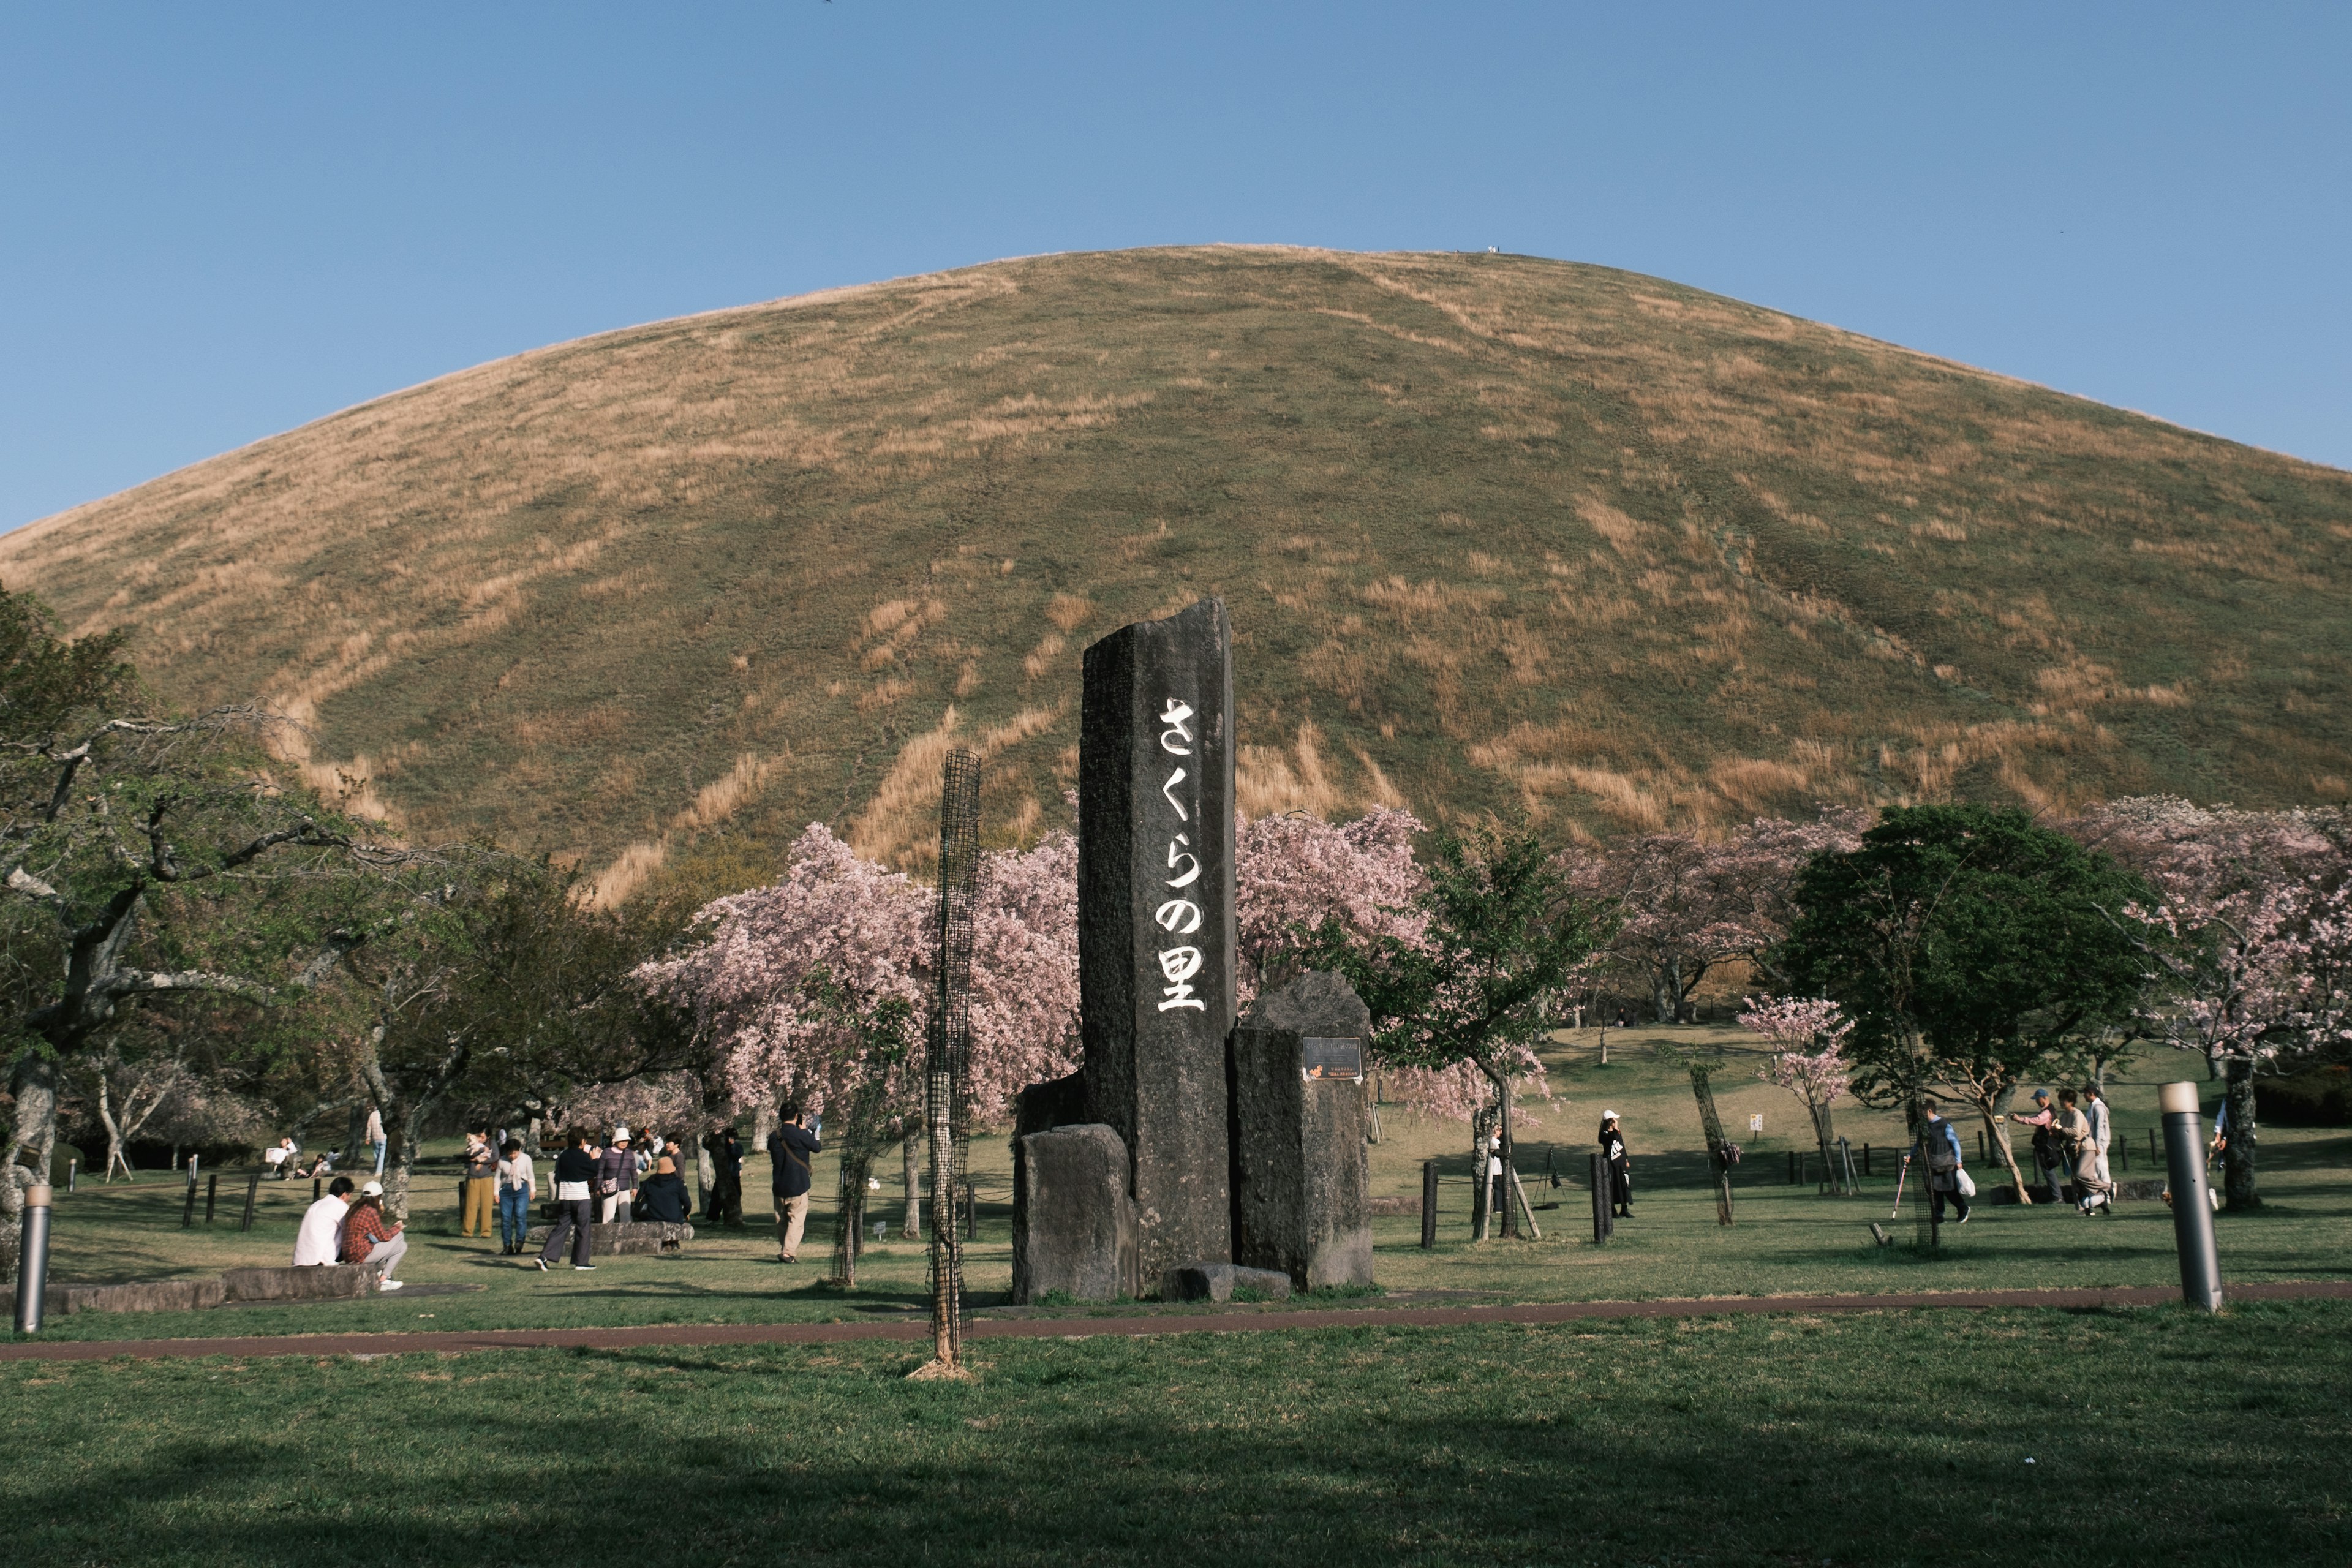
[[1296, 1086], [1156, 920], [1155, 937]]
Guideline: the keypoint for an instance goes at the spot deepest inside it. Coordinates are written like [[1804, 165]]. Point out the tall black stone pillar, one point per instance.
[[1156, 920]]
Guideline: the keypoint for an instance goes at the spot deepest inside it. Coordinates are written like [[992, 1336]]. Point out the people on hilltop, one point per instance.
[[370, 1238], [518, 1185], [480, 1179], [1620, 1166], [790, 1148], [320, 1241], [1939, 1148], [2048, 1160], [576, 1205]]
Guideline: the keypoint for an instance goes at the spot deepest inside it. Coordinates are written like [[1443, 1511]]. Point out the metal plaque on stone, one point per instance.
[[1342, 1058]]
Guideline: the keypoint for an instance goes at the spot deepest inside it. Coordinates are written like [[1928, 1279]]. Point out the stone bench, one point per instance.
[[145, 1296], [622, 1238], [1218, 1281], [324, 1282]]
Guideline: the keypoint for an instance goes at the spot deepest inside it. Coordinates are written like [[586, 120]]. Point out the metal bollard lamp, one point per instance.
[[2193, 1206], [33, 1267]]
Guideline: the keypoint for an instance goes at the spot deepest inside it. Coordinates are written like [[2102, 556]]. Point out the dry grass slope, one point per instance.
[[1497, 531]]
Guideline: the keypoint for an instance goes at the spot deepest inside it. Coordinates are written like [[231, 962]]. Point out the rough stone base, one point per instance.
[[1217, 1282], [329, 1282], [622, 1238], [1300, 1170], [150, 1296], [1072, 1222]]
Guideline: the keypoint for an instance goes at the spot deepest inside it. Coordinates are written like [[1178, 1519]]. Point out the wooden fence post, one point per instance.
[[1428, 1203]]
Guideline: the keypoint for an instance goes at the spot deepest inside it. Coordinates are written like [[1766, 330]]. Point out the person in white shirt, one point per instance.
[[517, 1187], [375, 1136], [2103, 1127], [277, 1157], [321, 1239]]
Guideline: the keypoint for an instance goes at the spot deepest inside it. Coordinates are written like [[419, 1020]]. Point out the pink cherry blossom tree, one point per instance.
[[1294, 873], [1807, 1039], [2252, 909], [1685, 905]]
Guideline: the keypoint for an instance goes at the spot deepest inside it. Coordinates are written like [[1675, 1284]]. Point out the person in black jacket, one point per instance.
[[725, 1205], [1620, 1166], [575, 1205], [663, 1198], [790, 1148]]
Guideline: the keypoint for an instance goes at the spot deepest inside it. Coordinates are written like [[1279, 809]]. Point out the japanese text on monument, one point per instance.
[[1179, 916]]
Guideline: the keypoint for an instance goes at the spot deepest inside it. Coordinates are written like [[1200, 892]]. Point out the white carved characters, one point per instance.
[[1179, 917]]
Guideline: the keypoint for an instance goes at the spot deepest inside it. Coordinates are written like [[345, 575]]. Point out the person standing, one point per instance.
[[2047, 1160], [791, 1147], [518, 1185], [2081, 1148], [1620, 1166], [370, 1239], [727, 1181], [375, 1136], [575, 1205], [1938, 1149], [616, 1178], [2102, 1130], [321, 1239], [481, 1184]]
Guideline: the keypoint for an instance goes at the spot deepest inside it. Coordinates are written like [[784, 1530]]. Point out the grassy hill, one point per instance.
[[1494, 531]]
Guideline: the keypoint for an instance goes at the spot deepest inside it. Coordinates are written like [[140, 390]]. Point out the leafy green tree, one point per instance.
[[1502, 932], [143, 862], [1974, 951]]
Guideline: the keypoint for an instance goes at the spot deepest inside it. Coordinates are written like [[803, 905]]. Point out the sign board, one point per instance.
[[1328, 1058]]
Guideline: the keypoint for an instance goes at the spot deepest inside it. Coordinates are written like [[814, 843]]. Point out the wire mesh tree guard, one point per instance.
[[948, 1070]]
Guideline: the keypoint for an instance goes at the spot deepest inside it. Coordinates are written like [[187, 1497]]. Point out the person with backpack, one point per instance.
[[2048, 1159], [791, 1147], [1939, 1148], [1620, 1166]]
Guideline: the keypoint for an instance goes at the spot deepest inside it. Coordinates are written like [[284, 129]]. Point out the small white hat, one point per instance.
[[1608, 1116], [620, 1134], [372, 1190]]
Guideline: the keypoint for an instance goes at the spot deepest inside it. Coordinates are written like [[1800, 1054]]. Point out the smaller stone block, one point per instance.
[[144, 1296], [1218, 1281], [1072, 1222], [328, 1282], [624, 1238], [1300, 1110]]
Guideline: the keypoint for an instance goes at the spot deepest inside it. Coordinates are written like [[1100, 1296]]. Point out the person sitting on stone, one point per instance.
[[369, 1237], [321, 1239], [663, 1197]]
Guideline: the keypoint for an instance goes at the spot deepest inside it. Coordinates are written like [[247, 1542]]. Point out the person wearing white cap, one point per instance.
[[616, 1178], [369, 1237], [1620, 1166]]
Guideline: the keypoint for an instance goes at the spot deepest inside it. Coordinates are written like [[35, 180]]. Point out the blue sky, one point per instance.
[[219, 222]]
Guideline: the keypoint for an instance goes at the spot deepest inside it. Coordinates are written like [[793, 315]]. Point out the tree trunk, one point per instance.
[[910, 1170], [706, 1173], [1997, 1131], [1664, 999], [2238, 1158], [32, 1140], [1479, 1217], [1718, 1149], [1504, 1148], [1825, 1138], [106, 1118]]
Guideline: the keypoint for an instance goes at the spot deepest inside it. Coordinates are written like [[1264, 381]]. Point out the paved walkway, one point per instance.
[[1229, 1323]]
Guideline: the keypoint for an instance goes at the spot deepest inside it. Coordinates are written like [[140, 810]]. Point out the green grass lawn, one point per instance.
[[1787, 1240], [2157, 1435]]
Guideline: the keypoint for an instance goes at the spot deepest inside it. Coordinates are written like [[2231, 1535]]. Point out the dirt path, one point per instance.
[[1230, 1322]]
